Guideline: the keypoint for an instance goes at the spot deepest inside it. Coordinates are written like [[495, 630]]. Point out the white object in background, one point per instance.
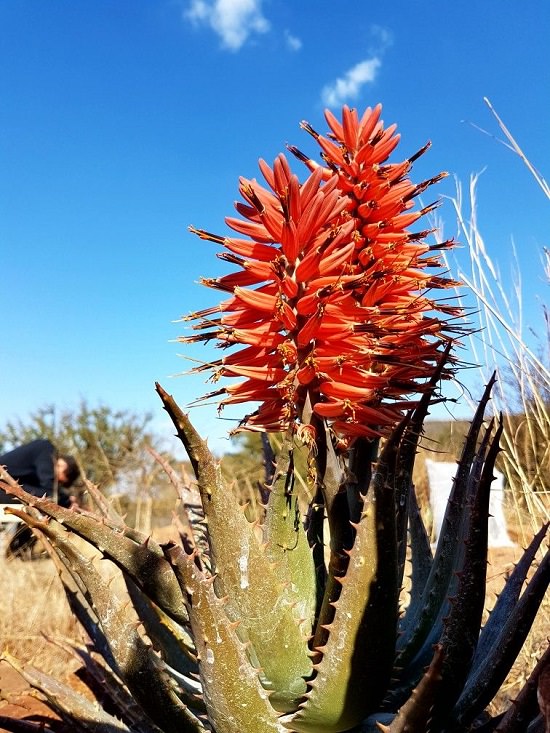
[[440, 479]]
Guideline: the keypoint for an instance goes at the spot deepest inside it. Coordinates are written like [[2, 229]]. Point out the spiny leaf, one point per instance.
[[524, 707], [457, 621], [246, 574], [462, 625], [486, 679], [357, 657], [421, 553], [418, 621], [405, 439], [69, 705], [135, 553], [190, 505], [288, 549], [173, 640], [414, 715], [234, 697], [507, 600], [107, 688], [135, 661]]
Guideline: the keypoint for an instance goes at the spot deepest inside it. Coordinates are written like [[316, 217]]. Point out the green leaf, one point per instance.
[[235, 700], [358, 654], [288, 549], [172, 640], [246, 574]]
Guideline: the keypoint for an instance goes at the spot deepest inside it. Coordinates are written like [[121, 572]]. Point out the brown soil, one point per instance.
[[16, 701], [21, 704]]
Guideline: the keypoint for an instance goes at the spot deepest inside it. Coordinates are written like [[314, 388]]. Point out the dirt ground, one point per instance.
[[21, 704]]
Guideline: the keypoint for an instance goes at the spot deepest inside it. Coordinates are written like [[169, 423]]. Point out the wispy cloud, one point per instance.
[[293, 42], [233, 20], [381, 39], [349, 86]]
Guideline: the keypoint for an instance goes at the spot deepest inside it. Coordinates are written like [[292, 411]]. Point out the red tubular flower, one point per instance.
[[332, 299]]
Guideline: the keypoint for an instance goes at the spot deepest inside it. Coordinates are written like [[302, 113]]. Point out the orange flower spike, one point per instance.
[[294, 200], [350, 128], [334, 123], [267, 173], [332, 151], [269, 216], [322, 208], [368, 122], [310, 329], [341, 312], [250, 356], [290, 243], [310, 187], [306, 374]]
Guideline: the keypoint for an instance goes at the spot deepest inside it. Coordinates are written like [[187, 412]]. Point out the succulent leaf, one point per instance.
[[176, 644], [107, 688], [287, 546], [462, 625], [357, 657], [245, 573], [71, 706], [421, 552], [525, 705], [417, 711], [135, 661], [486, 679], [507, 600], [136, 554], [234, 697], [418, 621], [191, 506]]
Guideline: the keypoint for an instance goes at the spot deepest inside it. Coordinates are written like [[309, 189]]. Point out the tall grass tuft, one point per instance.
[[519, 353]]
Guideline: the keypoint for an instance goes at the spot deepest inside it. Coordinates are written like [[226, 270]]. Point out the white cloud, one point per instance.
[[233, 20], [293, 42], [348, 87], [382, 38]]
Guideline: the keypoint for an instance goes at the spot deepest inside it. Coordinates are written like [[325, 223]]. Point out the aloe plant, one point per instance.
[[296, 619], [232, 624]]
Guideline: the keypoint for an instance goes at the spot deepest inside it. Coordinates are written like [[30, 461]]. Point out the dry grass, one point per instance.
[[34, 611], [521, 396], [32, 607], [505, 342]]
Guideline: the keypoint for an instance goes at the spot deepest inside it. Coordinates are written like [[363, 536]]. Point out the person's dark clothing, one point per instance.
[[33, 466]]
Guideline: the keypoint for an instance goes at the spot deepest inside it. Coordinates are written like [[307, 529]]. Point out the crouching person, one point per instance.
[[41, 471]]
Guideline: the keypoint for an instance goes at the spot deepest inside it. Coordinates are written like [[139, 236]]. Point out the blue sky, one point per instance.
[[124, 122]]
